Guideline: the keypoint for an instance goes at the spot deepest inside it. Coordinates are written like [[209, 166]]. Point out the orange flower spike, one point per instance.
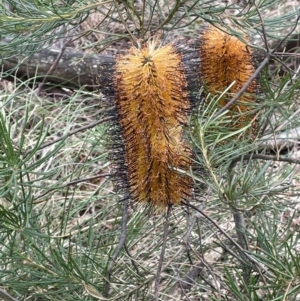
[[152, 103], [224, 60]]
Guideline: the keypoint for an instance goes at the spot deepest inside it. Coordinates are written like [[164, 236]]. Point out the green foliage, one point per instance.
[[60, 223]]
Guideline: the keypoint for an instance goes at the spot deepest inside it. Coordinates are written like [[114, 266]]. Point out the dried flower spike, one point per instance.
[[152, 103], [225, 61]]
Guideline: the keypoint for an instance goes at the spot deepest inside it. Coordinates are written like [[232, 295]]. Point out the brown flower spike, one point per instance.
[[152, 103], [224, 60]]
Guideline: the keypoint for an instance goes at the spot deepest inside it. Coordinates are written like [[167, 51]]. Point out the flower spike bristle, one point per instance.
[[152, 103]]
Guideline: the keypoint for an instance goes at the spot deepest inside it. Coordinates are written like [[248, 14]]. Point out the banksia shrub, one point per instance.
[[152, 104]]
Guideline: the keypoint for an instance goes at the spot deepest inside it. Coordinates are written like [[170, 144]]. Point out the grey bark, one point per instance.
[[75, 69]]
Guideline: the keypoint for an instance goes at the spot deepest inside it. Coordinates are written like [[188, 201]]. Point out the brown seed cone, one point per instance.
[[152, 103]]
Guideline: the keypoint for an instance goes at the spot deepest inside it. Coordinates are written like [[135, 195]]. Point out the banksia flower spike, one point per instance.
[[227, 61], [152, 103]]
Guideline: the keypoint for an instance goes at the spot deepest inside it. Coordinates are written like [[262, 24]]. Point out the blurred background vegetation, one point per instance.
[[60, 218]]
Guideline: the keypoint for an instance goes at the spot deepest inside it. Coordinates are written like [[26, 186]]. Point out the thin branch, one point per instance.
[[239, 221], [272, 141], [240, 249], [124, 296], [5, 296], [186, 238], [89, 178], [191, 226], [183, 288], [125, 23], [264, 157], [54, 65], [118, 249], [162, 255], [281, 42], [81, 129], [287, 121], [191, 276], [263, 27], [71, 183], [132, 260], [170, 16], [207, 266], [245, 87], [289, 54]]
